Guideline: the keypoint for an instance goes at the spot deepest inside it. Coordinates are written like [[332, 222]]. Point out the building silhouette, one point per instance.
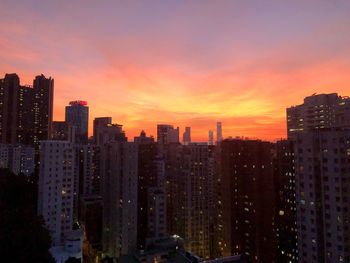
[[218, 132], [248, 200], [26, 111], [77, 115], [167, 134], [186, 138], [319, 129], [285, 215]]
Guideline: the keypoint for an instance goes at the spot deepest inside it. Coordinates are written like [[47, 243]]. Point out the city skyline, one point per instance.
[[238, 63]]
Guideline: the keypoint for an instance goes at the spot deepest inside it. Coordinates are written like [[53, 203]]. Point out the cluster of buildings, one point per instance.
[[165, 200]]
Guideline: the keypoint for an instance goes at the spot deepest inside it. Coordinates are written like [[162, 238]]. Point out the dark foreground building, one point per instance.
[[248, 199]]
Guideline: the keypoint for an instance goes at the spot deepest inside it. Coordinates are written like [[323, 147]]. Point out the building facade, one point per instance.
[[120, 174], [56, 188]]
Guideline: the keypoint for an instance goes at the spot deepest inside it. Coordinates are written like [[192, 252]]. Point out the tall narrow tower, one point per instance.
[[218, 132], [186, 139], [211, 137]]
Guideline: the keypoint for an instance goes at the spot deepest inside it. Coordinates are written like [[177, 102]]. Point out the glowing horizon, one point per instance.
[[180, 62]]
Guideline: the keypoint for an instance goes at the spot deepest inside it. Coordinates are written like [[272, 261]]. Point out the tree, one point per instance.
[[23, 237]]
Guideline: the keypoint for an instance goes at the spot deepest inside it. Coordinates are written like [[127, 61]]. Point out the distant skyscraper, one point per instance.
[[218, 132], [56, 188], [167, 134], [77, 115], [320, 131], [248, 200], [211, 137], [186, 139]]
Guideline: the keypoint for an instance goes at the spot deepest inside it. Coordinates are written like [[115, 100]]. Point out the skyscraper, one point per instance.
[[119, 172], [186, 139], [285, 216], [9, 108], [187, 188], [320, 131], [56, 188], [26, 112], [43, 108], [77, 115], [87, 180], [218, 132], [151, 195], [318, 112], [248, 200]]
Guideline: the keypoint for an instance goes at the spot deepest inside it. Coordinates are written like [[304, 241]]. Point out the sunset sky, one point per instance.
[[186, 63]]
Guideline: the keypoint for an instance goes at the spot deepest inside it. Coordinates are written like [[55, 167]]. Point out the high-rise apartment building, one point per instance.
[[149, 190], [187, 188], [186, 138], [25, 111], [320, 131], [43, 108], [9, 87], [120, 187], [87, 180], [56, 188], [27, 125], [318, 112], [156, 214], [77, 115], [285, 215], [247, 199]]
